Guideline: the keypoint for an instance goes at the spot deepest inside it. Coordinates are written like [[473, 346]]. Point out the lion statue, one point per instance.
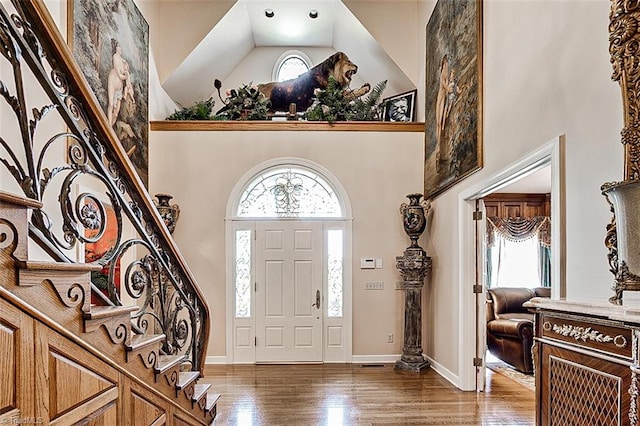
[[300, 90]]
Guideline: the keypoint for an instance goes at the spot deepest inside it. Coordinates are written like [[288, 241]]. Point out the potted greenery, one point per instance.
[[245, 103], [334, 104], [202, 110]]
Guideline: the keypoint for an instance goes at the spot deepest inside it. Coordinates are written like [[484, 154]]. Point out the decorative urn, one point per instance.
[[414, 217], [169, 212], [623, 237]]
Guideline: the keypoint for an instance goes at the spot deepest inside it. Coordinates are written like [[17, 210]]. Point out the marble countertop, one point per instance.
[[628, 312]]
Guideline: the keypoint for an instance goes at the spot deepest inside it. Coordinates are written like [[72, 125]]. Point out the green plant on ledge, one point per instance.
[[245, 103], [333, 104], [202, 110]]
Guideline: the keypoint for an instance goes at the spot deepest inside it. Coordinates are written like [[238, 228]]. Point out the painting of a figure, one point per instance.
[[94, 251], [110, 42], [453, 111]]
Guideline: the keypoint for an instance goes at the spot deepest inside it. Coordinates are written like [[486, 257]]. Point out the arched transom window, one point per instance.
[[289, 192], [291, 67]]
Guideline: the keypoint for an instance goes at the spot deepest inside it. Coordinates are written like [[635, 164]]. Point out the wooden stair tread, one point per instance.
[[211, 400], [185, 378], [57, 266], [200, 390], [166, 362], [140, 341], [9, 198], [99, 312]]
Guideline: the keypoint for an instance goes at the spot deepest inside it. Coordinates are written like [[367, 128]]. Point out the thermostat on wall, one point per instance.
[[368, 263]]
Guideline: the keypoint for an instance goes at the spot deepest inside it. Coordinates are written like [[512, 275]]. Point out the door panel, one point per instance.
[[274, 289], [288, 284]]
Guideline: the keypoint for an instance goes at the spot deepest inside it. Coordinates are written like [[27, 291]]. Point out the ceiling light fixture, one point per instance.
[[313, 14], [269, 13]]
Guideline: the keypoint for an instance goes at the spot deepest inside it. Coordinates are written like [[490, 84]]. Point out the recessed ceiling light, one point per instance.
[[269, 13], [313, 14]]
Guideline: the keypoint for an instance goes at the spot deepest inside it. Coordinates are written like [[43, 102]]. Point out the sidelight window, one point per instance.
[[335, 272], [243, 273]]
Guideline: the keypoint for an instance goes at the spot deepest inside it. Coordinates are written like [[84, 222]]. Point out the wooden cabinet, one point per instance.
[[507, 206], [585, 364]]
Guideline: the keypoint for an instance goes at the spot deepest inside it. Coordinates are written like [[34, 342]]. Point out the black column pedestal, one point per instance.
[[414, 266]]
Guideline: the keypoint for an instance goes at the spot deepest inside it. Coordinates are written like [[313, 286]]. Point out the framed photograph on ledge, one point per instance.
[[400, 107], [110, 42], [453, 94]]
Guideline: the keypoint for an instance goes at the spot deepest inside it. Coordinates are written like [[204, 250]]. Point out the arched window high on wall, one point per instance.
[[281, 194], [290, 65]]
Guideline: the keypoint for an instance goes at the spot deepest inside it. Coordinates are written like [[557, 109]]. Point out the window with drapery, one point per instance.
[[519, 252]]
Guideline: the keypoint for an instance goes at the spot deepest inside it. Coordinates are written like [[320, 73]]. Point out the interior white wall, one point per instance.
[[174, 20], [201, 168], [383, 27]]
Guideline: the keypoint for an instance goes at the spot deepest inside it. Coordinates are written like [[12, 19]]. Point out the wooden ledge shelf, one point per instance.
[[275, 126]]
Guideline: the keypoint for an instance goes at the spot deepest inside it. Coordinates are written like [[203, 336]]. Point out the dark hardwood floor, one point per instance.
[[349, 394]]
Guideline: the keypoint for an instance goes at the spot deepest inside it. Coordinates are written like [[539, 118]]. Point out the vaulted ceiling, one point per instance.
[[229, 42]]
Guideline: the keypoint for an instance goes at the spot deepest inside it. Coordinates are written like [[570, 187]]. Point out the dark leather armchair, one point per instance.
[[510, 325]]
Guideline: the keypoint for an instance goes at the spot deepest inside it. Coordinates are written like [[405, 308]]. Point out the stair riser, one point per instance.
[[12, 218], [72, 287], [184, 398]]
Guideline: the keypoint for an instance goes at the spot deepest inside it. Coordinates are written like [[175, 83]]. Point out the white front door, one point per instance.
[[288, 293]]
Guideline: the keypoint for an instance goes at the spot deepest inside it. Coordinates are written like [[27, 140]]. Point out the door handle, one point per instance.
[[317, 304]]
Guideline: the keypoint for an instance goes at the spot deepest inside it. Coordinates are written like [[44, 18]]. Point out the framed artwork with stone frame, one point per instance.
[[453, 94]]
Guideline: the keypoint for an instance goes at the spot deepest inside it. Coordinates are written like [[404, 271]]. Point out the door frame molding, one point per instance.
[[553, 153], [232, 222]]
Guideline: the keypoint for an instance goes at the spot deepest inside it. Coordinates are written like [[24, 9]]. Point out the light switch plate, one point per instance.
[[367, 263]]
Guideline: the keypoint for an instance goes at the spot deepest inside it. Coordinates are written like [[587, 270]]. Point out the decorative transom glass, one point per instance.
[[291, 67], [289, 192], [243, 273], [334, 272]]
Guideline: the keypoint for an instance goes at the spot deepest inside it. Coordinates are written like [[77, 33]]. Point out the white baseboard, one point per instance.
[[444, 372], [356, 359], [374, 359], [216, 360]]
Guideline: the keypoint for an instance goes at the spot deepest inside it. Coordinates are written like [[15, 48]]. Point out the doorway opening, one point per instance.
[[288, 266], [473, 324], [517, 253]]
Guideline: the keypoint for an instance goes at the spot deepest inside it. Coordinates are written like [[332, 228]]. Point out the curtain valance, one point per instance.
[[520, 229]]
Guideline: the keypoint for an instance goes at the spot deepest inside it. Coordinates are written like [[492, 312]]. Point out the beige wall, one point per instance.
[[376, 169]]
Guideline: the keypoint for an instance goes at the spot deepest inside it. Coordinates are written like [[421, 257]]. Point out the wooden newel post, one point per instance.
[[414, 265]]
